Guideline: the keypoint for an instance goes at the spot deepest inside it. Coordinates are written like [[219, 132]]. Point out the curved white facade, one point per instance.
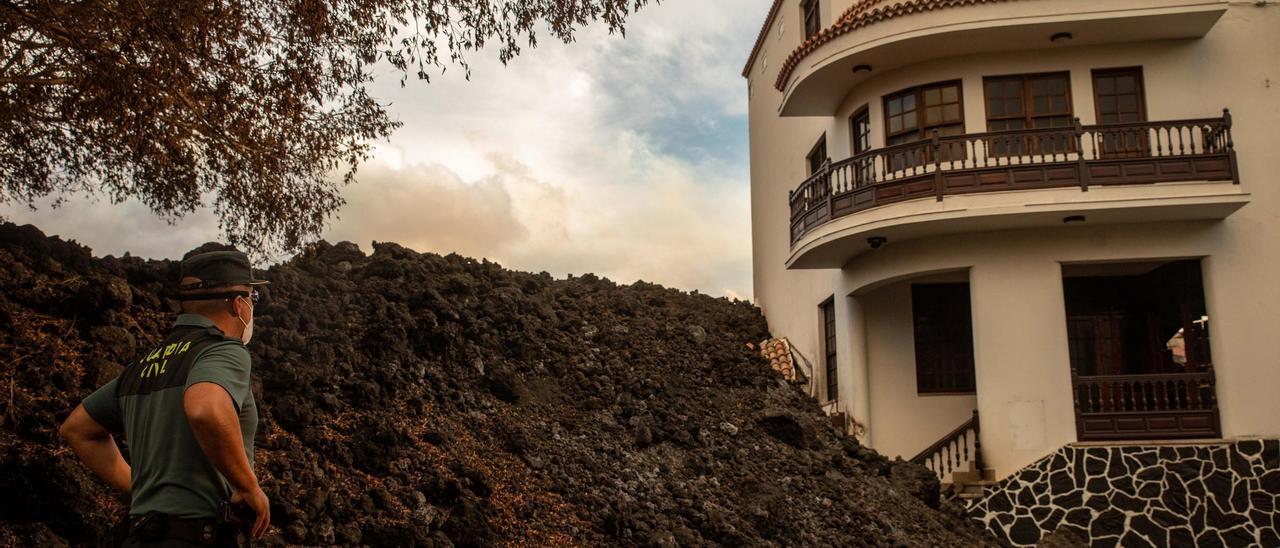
[[1011, 246]]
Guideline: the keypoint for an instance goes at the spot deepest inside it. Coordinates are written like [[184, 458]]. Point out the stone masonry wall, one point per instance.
[[1222, 494]]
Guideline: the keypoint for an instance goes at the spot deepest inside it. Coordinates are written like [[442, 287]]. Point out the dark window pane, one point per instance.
[[943, 337], [905, 138], [932, 96], [932, 115], [1002, 125], [995, 108], [1107, 104], [1127, 103], [1039, 87], [1013, 106], [811, 24], [1060, 121], [818, 155], [860, 127], [1105, 85], [951, 112], [1118, 95], [950, 94], [829, 327], [1126, 84]]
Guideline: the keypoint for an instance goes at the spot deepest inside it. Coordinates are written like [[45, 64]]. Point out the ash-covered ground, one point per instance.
[[416, 399]]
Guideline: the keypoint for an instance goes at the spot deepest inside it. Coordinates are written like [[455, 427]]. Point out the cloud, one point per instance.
[[429, 208], [113, 229], [622, 157], [665, 227]]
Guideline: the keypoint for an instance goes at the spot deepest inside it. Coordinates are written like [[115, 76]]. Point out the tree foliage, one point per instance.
[[259, 107]]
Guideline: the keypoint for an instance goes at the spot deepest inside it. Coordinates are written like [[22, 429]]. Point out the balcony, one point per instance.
[[843, 202], [890, 34]]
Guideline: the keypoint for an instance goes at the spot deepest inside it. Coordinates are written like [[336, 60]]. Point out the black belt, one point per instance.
[[154, 526]]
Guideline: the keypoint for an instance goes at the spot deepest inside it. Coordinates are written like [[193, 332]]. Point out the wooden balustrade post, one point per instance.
[[1081, 165], [826, 181], [1213, 398], [977, 442], [937, 164], [1231, 146]]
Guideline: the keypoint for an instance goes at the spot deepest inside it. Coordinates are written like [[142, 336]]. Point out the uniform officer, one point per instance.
[[188, 416]]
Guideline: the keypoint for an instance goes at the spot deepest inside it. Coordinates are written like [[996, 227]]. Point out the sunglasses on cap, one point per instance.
[[253, 295]]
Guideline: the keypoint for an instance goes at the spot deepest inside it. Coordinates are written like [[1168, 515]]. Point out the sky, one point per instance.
[[625, 157]]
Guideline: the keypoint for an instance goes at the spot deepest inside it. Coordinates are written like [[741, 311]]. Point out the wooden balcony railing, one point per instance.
[[1152, 406], [1113, 154], [957, 448]]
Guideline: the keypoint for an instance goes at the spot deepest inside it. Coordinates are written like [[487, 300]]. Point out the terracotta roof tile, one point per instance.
[[860, 14]]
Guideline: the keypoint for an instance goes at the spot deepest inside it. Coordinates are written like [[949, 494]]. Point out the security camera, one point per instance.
[[876, 241]]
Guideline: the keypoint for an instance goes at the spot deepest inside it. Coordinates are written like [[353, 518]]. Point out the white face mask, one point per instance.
[[248, 327]]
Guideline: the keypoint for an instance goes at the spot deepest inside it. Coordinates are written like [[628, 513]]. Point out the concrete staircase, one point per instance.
[[969, 485]]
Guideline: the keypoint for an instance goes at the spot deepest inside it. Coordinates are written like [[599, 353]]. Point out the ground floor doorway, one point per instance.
[[1138, 338]]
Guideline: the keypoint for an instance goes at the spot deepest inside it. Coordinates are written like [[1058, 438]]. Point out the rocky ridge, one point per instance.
[[416, 399]]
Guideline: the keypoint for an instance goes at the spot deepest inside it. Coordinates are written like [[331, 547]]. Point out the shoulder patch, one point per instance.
[[167, 365]]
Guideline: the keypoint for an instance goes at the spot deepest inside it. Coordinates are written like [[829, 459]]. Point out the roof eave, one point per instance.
[[764, 31]]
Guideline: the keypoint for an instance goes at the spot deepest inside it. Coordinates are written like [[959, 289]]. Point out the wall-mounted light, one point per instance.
[[858, 69], [1069, 219], [1061, 38]]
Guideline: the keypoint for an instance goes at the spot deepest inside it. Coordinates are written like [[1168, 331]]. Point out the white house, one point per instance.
[[1058, 220]]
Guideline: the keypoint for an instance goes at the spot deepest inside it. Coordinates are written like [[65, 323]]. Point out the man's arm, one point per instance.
[[216, 426], [96, 447]]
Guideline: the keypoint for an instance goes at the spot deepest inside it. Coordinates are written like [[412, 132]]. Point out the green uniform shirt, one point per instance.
[[171, 474]]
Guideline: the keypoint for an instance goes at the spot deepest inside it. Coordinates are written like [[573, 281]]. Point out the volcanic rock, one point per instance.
[[414, 399]]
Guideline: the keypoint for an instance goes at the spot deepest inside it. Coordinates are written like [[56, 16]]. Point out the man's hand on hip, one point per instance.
[[256, 500]]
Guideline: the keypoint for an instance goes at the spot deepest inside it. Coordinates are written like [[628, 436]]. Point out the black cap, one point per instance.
[[219, 269]]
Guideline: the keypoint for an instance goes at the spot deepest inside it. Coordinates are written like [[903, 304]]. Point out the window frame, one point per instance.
[[864, 168], [1027, 99], [1029, 145], [826, 155], [948, 378], [1141, 84], [863, 113], [830, 353], [918, 91], [1119, 146], [810, 8], [918, 156]]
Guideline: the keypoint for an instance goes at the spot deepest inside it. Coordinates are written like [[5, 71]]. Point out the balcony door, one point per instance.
[[817, 155], [912, 115], [860, 136], [1119, 100], [1138, 342], [1029, 101]]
